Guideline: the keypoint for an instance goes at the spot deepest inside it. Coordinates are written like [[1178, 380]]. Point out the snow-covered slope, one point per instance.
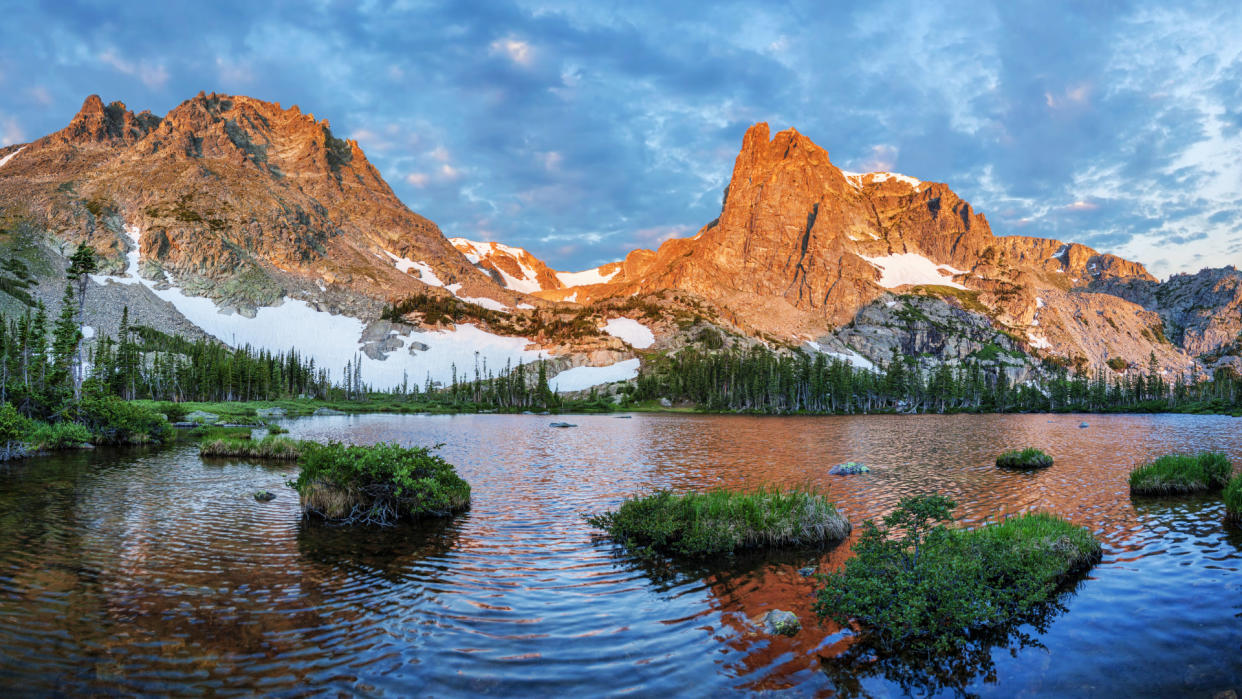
[[519, 270]]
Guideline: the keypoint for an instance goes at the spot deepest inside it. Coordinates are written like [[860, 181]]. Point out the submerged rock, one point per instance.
[[781, 622], [563, 424], [326, 411], [1082, 425], [849, 468], [264, 496]]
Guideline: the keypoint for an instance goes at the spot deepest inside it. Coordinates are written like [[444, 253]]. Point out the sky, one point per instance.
[[581, 131]]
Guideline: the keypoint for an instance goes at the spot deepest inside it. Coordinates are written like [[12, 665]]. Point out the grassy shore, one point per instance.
[[720, 521], [915, 584], [1024, 459], [1176, 474]]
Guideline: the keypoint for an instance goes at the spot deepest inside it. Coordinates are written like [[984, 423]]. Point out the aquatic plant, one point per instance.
[[1233, 500], [720, 521], [1029, 458], [1181, 473], [266, 448], [915, 583], [377, 484]]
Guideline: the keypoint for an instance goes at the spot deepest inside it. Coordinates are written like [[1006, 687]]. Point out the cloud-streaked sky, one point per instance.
[[583, 130]]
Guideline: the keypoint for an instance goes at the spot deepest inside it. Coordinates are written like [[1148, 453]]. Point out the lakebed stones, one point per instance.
[[849, 468], [779, 622]]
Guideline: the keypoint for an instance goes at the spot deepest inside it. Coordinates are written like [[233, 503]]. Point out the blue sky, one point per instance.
[[583, 130]]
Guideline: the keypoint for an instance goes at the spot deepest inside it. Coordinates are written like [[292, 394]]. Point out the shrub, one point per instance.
[[117, 421], [175, 412], [13, 430], [1233, 500], [266, 448], [378, 484], [1181, 473], [59, 435], [1029, 458], [720, 521], [917, 584]]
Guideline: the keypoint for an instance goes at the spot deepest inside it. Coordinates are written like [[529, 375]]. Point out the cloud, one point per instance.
[[517, 51], [151, 75]]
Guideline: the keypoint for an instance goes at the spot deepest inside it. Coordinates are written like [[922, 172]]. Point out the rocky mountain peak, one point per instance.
[[113, 124]]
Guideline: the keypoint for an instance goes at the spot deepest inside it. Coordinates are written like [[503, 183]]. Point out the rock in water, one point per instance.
[[264, 496], [202, 416], [1082, 425], [849, 468], [326, 411], [563, 424], [781, 622], [270, 412]]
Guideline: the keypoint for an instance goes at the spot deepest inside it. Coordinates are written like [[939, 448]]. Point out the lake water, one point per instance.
[[153, 571]]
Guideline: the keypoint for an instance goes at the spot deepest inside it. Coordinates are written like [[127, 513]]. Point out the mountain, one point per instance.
[[805, 252], [517, 269], [255, 224]]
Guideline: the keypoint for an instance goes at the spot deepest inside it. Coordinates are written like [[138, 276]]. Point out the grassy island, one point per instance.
[[1233, 500], [720, 521], [916, 584], [377, 484], [266, 448], [1024, 459], [1175, 474]]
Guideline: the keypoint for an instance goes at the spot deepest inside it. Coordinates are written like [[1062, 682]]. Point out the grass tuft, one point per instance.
[[719, 521], [266, 448], [1176, 474], [1233, 500], [1028, 459]]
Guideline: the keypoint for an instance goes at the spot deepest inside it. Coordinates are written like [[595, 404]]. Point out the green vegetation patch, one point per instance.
[[917, 585], [1117, 364], [1029, 458], [116, 421], [378, 484], [1233, 500], [266, 448], [1175, 474], [720, 521]]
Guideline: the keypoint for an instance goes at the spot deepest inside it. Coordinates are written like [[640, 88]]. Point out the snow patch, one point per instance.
[[572, 298], [426, 274], [587, 277], [849, 356], [490, 304], [885, 176], [526, 306], [476, 252], [9, 157], [632, 331], [332, 340], [1039, 342], [87, 332], [583, 377], [910, 269]]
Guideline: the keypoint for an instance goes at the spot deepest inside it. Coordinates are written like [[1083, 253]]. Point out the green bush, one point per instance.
[[1029, 458], [13, 431], [377, 484], [59, 435], [719, 521], [266, 448], [117, 421], [175, 412], [1233, 500], [915, 584], [1181, 473]]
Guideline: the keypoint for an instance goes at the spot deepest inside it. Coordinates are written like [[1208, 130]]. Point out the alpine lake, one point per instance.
[[154, 571]]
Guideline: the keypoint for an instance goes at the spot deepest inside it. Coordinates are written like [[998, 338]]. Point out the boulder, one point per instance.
[[666, 403], [781, 622], [807, 571], [1082, 425], [201, 417], [563, 424], [320, 412], [264, 496], [270, 412], [849, 468]]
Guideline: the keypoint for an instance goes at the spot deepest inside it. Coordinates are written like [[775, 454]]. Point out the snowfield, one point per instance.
[[9, 157], [476, 251], [426, 274], [632, 331], [587, 277], [332, 340], [912, 269], [849, 356], [583, 377]]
